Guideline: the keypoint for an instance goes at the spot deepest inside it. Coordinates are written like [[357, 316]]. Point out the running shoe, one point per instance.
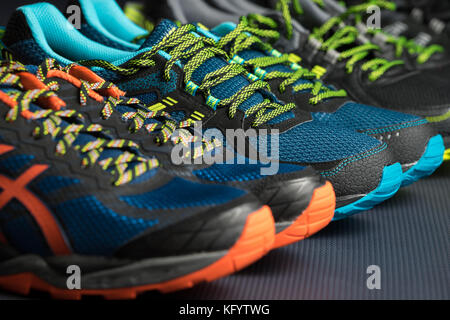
[[178, 63], [74, 198], [398, 37], [302, 202], [347, 60], [434, 13], [415, 144]]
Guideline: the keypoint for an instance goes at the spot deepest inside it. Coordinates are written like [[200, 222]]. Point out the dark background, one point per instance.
[[407, 237]]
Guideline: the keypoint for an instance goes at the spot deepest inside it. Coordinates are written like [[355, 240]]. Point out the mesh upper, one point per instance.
[[239, 172], [50, 184], [83, 230], [416, 92], [14, 164], [361, 117], [15, 223], [311, 142], [178, 194]]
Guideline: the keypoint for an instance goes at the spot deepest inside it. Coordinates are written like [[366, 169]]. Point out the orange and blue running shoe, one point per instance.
[[74, 198]]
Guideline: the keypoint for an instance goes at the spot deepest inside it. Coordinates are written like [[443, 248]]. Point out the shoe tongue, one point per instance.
[[162, 29]]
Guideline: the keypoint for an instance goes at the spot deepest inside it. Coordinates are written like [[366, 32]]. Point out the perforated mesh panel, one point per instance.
[[311, 142], [412, 93], [183, 194], [361, 117], [239, 172], [14, 164], [96, 229]]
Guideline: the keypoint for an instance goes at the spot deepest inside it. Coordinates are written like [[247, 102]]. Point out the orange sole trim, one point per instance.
[[316, 217], [255, 241]]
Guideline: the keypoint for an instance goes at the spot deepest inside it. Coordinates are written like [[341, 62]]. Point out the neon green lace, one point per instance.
[[245, 37], [423, 53], [344, 36], [134, 11], [284, 6], [165, 126], [183, 45]]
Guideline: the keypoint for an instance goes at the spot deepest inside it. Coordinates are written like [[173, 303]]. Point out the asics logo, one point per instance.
[[17, 189]]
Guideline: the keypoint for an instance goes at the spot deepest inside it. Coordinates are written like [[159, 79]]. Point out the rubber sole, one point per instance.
[[431, 160], [256, 240], [389, 185], [316, 216], [447, 155]]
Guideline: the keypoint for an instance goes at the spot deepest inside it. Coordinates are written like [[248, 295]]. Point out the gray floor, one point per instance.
[[407, 237]]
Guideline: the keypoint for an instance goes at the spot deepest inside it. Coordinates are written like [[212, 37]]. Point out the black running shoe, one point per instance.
[[398, 36]]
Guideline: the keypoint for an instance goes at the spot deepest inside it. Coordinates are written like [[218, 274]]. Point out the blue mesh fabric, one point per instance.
[[147, 98], [149, 81], [28, 51], [178, 115], [84, 217], [311, 142], [239, 172], [144, 177], [183, 194], [21, 230], [51, 184], [362, 118], [161, 30], [14, 164]]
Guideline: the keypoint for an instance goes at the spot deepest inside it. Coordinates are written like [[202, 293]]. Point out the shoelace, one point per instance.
[[245, 37], [284, 6], [165, 126], [134, 11], [183, 45], [345, 35], [423, 53], [65, 127]]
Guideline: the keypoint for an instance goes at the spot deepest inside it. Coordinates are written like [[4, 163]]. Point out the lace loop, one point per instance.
[[245, 37], [183, 45], [165, 127], [66, 126]]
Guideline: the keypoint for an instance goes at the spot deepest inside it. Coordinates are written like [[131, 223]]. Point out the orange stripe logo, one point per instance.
[[16, 189]]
